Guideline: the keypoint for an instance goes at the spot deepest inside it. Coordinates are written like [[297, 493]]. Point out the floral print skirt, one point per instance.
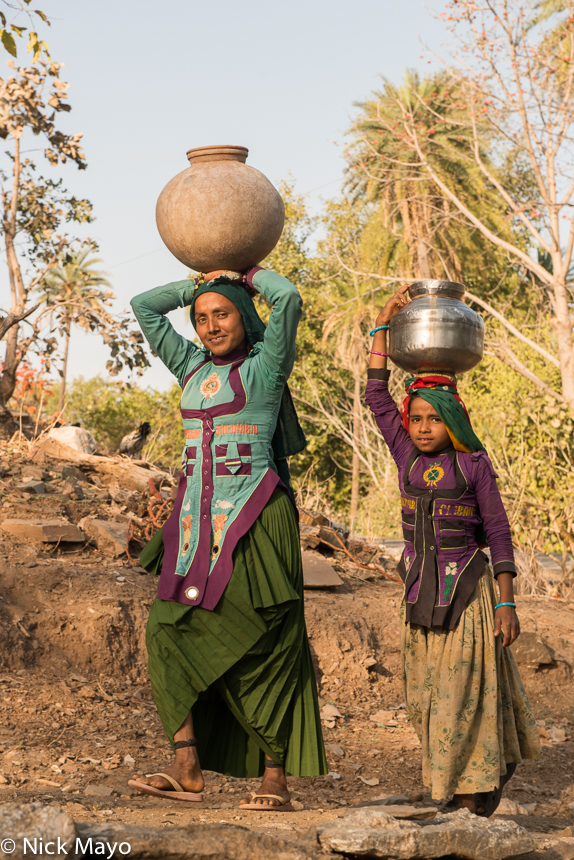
[[466, 700]]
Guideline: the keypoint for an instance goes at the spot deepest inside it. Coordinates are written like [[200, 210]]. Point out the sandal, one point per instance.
[[281, 805], [177, 793], [490, 800]]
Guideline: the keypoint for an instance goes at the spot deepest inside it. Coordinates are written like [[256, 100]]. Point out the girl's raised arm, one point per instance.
[[377, 395]]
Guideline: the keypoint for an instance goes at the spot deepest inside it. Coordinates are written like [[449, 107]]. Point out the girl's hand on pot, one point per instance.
[[506, 620], [394, 304]]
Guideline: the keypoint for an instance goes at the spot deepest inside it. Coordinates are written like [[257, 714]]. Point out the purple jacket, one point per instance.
[[445, 496]]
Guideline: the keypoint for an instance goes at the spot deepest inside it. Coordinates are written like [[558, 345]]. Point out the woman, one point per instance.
[[229, 659], [463, 691]]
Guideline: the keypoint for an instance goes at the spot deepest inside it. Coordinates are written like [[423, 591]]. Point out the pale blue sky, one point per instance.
[[150, 80]]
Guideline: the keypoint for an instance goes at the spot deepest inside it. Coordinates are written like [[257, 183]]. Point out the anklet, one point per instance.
[[271, 763], [181, 744]]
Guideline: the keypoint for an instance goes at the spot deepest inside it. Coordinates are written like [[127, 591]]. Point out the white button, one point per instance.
[[192, 593]]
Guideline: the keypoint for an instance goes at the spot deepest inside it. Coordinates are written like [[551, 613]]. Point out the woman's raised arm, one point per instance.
[[150, 309], [278, 352]]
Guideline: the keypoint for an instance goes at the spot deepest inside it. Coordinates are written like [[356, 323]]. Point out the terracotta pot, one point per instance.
[[220, 213]]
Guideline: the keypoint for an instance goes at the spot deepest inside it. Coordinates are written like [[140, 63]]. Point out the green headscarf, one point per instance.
[[288, 438]]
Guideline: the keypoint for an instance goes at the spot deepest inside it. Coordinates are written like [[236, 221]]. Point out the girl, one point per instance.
[[229, 659], [464, 695]]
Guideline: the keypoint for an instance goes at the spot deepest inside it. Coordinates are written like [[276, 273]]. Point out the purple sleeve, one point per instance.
[[493, 515], [389, 422]]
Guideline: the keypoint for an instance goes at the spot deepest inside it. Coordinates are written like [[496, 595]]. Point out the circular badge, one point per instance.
[[210, 386], [192, 593], [433, 474]]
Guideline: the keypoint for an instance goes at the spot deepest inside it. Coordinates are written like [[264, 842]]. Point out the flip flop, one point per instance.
[[282, 806], [176, 794]]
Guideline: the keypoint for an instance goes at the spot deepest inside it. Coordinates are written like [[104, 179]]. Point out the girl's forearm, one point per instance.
[[379, 345], [506, 587]]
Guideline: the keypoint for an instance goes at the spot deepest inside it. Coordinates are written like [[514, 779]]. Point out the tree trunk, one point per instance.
[[356, 466], [563, 328], [64, 367], [12, 356]]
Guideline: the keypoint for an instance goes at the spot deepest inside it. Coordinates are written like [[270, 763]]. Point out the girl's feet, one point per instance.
[[486, 803]]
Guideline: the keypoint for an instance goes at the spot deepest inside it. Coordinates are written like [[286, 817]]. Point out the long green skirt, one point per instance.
[[244, 669]]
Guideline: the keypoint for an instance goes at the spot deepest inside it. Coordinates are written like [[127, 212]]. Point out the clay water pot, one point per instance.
[[436, 331], [220, 213]]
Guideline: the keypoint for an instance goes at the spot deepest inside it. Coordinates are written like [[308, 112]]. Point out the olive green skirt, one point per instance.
[[244, 669]]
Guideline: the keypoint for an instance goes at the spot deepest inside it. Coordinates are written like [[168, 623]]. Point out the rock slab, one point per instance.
[[193, 842], [373, 833], [33, 821], [44, 531], [74, 437], [110, 537], [318, 573], [529, 649]]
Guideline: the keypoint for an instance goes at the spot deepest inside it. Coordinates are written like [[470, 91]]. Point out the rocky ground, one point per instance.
[[78, 718]]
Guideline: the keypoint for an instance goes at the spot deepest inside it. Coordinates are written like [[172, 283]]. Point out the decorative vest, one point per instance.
[[227, 479]]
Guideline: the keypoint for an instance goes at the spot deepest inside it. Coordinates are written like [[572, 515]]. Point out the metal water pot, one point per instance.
[[436, 330]]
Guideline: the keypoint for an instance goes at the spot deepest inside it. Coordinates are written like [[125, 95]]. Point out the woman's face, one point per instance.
[[426, 429], [219, 324]]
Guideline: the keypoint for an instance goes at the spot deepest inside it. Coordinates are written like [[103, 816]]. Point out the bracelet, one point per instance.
[[378, 328], [384, 354], [505, 604]]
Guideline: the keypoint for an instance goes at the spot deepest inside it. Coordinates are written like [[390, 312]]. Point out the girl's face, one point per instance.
[[218, 324], [426, 428]]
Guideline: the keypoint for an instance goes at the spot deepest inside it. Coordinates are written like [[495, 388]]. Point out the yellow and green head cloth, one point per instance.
[[441, 393]]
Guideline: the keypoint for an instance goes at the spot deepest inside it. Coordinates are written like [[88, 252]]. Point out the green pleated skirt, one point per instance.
[[244, 669]]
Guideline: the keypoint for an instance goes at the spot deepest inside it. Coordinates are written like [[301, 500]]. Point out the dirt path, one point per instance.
[[77, 716]]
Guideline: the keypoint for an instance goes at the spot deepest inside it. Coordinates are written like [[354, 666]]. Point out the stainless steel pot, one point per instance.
[[436, 330]]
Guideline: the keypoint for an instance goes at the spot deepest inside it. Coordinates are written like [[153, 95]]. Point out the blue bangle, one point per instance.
[[505, 604], [378, 328]]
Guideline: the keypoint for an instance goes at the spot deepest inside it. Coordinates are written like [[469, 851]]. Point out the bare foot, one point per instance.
[[274, 782], [185, 770]]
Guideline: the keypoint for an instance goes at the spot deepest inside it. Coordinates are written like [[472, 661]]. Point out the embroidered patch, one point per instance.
[[433, 474], [450, 571], [192, 434], [223, 504], [210, 386], [187, 506], [186, 523], [219, 521]]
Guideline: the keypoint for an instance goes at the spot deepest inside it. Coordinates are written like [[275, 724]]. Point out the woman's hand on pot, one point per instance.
[[506, 620], [394, 304], [210, 276]]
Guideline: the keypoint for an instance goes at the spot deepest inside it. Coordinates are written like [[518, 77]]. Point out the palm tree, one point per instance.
[[429, 239], [72, 288]]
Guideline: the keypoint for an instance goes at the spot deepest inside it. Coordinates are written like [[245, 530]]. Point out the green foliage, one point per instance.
[[529, 437], [109, 410]]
